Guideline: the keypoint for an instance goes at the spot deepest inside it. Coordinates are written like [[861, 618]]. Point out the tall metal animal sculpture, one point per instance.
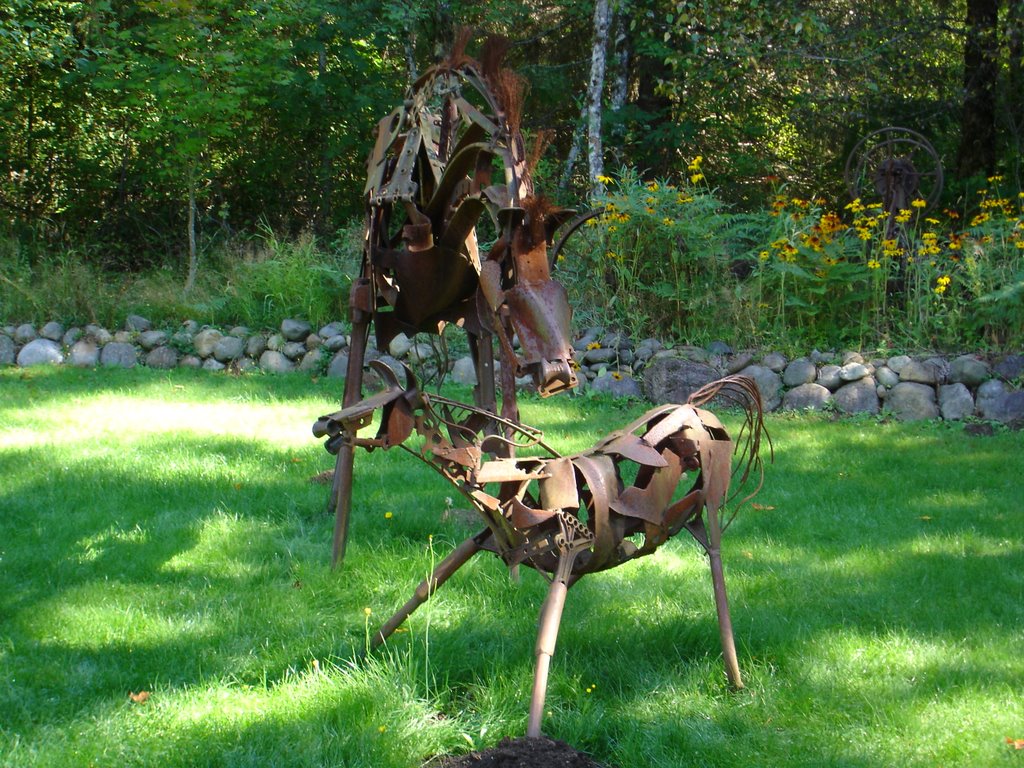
[[567, 516], [431, 179], [451, 153]]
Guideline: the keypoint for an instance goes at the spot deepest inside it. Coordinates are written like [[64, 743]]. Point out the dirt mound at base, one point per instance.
[[541, 752]]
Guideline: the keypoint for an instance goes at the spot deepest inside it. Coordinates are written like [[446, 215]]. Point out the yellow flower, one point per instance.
[[694, 165], [684, 199], [918, 203], [616, 375], [994, 179], [367, 611], [652, 186], [604, 179], [873, 264], [613, 228], [855, 206], [594, 345], [388, 515], [903, 216], [763, 255], [696, 177], [667, 221]]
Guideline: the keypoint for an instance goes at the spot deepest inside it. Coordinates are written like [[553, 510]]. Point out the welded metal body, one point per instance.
[[567, 516], [449, 155]]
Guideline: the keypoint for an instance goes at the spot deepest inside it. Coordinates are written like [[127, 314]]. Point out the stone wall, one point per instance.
[[926, 386]]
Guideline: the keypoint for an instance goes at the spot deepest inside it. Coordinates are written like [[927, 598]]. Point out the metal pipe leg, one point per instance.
[[547, 635], [428, 587], [732, 667], [341, 498]]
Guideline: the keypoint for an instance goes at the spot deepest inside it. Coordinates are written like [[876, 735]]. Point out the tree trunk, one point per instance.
[[594, 92], [977, 153], [193, 255], [1013, 104]]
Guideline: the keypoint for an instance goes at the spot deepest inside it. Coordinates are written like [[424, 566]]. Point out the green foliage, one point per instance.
[[656, 260], [671, 259]]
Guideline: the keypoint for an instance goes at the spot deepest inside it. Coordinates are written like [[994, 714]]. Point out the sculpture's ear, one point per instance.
[[573, 225]]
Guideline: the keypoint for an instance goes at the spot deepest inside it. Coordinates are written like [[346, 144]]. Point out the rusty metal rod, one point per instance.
[[428, 587], [341, 493], [732, 667], [550, 619]]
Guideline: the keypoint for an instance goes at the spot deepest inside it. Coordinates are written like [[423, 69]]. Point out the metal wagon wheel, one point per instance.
[[895, 164]]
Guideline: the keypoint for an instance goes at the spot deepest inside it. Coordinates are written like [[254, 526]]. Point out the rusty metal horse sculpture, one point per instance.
[[430, 181]]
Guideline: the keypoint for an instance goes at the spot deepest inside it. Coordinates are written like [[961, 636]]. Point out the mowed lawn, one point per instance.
[[166, 597]]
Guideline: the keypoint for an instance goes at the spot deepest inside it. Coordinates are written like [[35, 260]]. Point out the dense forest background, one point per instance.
[[140, 139], [118, 119]]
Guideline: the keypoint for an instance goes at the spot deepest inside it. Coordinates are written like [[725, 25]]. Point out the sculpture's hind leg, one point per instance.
[[429, 586]]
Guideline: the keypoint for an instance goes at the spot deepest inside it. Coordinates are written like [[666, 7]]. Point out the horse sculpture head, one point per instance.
[[450, 154]]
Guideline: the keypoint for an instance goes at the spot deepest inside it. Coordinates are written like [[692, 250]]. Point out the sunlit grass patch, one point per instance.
[[159, 535]]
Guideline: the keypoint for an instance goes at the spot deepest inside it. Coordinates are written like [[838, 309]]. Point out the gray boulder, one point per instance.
[[617, 385], [589, 337], [919, 372], [715, 348], [599, 356], [463, 372], [399, 346], [84, 353], [313, 341], [71, 335], [338, 368], [190, 361], [6, 350], [673, 379], [898, 362], [955, 402], [857, 397], [125, 337], [293, 350], [806, 397], [137, 323], [331, 329], [421, 352], [886, 376], [213, 364], [910, 401], [828, 377], [150, 340], [191, 327], [53, 331], [40, 352], [25, 333], [990, 397], [255, 346], [335, 343], [98, 334], [228, 348], [162, 357], [800, 371], [854, 371], [769, 384], [969, 370], [1010, 367], [738, 362], [275, 362], [295, 330], [118, 354], [205, 341], [311, 361], [775, 361], [1007, 407]]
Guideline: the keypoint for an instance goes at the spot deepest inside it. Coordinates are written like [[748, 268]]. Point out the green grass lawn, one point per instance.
[[159, 533]]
